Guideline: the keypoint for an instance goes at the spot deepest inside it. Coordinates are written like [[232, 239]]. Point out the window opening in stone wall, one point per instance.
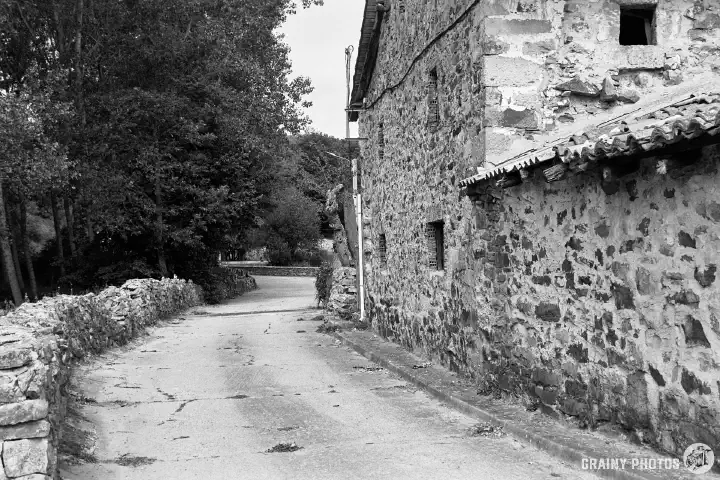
[[436, 245], [433, 107], [382, 250], [381, 142], [637, 25]]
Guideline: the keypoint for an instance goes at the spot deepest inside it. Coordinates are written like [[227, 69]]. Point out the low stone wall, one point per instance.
[[38, 343], [230, 283], [279, 271], [343, 293]]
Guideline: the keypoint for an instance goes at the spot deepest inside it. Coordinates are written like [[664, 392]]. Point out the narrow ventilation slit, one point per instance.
[[382, 249], [381, 142], [434, 235], [433, 104]]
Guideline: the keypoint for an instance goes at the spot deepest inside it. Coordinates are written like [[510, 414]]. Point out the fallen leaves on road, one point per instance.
[[368, 369], [287, 429], [283, 448], [486, 430], [128, 461]]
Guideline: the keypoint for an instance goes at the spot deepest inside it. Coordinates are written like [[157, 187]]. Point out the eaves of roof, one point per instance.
[[366, 55], [683, 118]]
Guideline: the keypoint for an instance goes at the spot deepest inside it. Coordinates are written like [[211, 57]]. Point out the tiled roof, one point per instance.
[[643, 130]]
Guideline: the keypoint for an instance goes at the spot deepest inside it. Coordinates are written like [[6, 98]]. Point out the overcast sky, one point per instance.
[[317, 37]]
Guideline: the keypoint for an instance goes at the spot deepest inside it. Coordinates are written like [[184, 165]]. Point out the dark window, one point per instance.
[[382, 249], [436, 245], [637, 25], [381, 142], [433, 107]]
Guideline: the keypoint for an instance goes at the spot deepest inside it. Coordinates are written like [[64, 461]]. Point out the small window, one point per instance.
[[637, 25], [381, 142], [382, 250], [436, 245], [433, 107]]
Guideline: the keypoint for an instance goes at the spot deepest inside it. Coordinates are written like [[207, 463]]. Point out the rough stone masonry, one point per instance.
[[40, 341], [595, 294]]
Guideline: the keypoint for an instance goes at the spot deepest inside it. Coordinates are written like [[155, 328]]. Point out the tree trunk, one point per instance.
[[58, 232], [6, 252], [79, 99], [340, 240], [90, 227], [160, 237], [25, 242], [70, 224], [16, 260], [12, 238]]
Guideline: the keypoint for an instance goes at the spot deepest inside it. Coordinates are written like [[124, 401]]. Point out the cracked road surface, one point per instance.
[[205, 395]]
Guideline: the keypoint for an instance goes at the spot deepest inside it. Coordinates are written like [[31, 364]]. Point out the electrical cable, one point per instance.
[[422, 53]]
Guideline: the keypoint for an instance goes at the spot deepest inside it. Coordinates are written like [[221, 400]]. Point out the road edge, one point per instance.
[[566, 451]]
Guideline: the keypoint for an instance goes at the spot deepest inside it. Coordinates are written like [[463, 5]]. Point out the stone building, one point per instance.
[[542, 209]]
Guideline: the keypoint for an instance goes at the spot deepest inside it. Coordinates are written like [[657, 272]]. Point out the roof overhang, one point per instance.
[[688, 121], [366, 55]]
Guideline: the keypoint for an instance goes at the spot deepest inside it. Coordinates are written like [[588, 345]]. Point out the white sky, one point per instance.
[[317, 37]]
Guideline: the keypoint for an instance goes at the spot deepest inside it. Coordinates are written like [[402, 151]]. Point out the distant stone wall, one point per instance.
[[279, 271], [343, 294], [38, 344]]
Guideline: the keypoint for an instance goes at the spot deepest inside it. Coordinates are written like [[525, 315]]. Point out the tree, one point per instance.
[[178, 108], [27, 157], [295, 219]]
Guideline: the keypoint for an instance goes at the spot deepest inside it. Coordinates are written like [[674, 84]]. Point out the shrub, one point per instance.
[[221, 283], [323, 283], [278, 252], [295, 219]]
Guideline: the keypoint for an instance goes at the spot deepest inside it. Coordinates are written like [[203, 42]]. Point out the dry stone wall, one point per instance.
[[278, 271], [343, 293], [38, 344]]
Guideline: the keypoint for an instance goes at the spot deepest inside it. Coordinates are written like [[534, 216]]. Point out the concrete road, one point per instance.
[[206, 395]]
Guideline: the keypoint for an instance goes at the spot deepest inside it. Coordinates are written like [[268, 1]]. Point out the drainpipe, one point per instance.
[[358, 211]]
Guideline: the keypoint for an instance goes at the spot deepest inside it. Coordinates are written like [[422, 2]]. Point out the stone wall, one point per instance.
[[630, 343], [549, 67], [599, 306], [343, 293], [279, 271], [607, 304], [38, 344]]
